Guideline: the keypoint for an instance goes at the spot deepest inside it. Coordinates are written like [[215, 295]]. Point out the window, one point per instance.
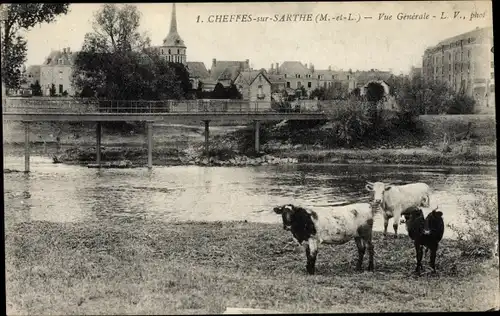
[[288, 84], [319, 76], [492, 64], [309, 84], [178, 51], [61, 89], [492, 75], [298, 76], [492, 88], [169, 52], [299, 84], [285, 75], [333, 77], [162, 51]]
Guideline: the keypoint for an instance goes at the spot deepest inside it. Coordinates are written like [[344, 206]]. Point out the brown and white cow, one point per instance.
[[336, 225]]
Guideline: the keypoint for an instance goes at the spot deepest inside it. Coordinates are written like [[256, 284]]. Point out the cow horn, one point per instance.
[[436, 208], [371, 183]]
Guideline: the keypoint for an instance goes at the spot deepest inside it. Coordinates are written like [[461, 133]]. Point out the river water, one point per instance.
[[66, 193]]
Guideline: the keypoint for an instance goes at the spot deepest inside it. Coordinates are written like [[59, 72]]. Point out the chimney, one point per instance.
[[64, 50], [277, 68], [329, 68], [272, 68], [68, 50], [311, 67], [214, 62], [247, 63]]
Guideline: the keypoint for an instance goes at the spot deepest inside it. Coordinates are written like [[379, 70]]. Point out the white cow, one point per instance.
[[395, 199]]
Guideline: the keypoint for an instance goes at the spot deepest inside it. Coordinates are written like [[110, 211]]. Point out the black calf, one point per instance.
[[426, 232]]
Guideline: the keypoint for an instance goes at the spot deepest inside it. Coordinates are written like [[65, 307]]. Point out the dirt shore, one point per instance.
[[130, 267]]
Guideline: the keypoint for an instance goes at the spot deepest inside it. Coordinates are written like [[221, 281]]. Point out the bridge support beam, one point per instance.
[[257, 136], [207, 137], [98, 145], [26, 147], [150, 145]]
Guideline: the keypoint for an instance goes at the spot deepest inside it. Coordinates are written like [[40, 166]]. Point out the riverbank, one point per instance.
[[178, 144], [167, 154], [130, 267]]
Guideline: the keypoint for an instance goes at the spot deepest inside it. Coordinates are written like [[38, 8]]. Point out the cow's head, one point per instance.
[[433, 221], [298, 220], [378, 189], [286, 211], [411, 215]]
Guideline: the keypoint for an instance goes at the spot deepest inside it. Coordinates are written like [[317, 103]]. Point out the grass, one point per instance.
[[126, 267]]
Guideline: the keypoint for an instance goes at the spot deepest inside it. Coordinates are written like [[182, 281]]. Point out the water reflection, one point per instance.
[[71, 193]]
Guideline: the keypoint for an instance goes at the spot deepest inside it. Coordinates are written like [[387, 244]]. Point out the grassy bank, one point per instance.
[[159, 268]]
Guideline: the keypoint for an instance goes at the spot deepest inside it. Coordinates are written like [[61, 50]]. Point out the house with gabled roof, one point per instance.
[[254, 85], [197, 71], [57, 69]]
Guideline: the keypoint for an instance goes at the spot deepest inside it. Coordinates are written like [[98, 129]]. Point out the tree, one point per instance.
[[116, 63], [116, 29], [17, 17], [36, 89], [374, 92], [233, 92], [219, 91]]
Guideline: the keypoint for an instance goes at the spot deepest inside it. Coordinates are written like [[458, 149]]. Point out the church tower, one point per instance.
[[173, 48]]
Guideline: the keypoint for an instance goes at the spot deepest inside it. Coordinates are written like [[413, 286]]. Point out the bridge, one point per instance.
[[97, 110]]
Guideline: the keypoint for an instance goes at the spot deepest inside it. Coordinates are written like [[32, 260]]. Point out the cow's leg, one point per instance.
[[370, 253], [386, 223], [432, 260], [419, 251], [395, 223], [361, 252], [311, 253]]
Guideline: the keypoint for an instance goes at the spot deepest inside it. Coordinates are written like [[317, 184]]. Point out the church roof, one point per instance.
[[173, 38]]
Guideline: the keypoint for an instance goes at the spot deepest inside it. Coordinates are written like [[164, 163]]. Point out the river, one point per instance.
[[68, 193]]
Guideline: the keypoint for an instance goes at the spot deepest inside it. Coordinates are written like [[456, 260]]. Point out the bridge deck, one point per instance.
[[168, 110]]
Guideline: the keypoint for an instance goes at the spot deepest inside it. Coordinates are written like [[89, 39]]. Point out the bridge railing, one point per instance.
[[80, 105]]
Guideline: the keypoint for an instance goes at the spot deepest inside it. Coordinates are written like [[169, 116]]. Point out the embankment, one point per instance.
[[176, 144]]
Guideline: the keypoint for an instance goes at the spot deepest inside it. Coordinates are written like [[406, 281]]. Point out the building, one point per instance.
[[293, 75], [254, 85], [173, 48], [363, 77], [57, 70], [465, 63], [197, 71]]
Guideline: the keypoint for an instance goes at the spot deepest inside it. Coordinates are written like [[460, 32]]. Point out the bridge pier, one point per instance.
[[207, 135], [257, 136], [150, 145], [26, 147], [98, 148]]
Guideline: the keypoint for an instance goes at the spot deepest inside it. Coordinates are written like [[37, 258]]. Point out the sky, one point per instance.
[[376, 43]]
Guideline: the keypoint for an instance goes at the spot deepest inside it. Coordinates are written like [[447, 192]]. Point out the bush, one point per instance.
[[351, 121], [478, 237]]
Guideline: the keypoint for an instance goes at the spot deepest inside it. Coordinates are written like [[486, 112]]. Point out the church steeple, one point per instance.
[[174, 48], [173, 20]]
